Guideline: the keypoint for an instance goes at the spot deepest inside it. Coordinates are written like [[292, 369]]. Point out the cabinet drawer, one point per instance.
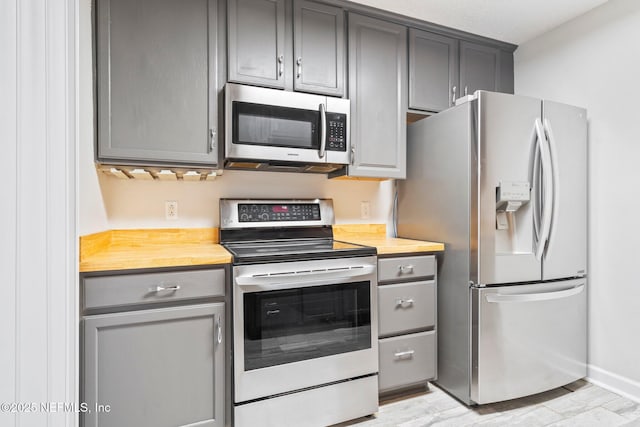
[[407, 360], [406, 268], [128, 289], [406, 306]]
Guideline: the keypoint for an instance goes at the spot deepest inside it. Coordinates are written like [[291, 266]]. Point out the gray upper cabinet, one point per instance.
[[506, 72], [433, 70], [479, 68], [268, 48], [256, 42], [156, 69], [378, 94], [319, 48]]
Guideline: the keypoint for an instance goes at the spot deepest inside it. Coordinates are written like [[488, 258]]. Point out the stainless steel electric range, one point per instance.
[[304, 315]]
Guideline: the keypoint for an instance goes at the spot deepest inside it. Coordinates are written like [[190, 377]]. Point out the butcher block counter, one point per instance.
[[376, 235], [179, 247], [151, 248]]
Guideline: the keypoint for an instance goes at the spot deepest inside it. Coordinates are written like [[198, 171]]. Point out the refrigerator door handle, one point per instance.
[[547, 190], [544, 296], [555, 175], [535, 184]]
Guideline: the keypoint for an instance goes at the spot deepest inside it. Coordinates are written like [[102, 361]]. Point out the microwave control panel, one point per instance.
[[336, 132]]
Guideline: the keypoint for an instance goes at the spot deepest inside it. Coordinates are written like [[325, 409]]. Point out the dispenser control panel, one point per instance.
[[510, 195]]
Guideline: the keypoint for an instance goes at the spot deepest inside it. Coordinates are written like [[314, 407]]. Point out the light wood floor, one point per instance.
[[580, 404]]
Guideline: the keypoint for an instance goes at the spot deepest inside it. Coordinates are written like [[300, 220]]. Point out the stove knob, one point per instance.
[[244, 217], [264, 217]]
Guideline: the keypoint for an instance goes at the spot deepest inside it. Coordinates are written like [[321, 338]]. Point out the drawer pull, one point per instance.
[[270, 312], [405, 269], [404, 303], [404, 354], [161, 288]]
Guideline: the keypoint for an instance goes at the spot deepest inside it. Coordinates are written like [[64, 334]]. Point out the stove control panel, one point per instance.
[[274, 212]]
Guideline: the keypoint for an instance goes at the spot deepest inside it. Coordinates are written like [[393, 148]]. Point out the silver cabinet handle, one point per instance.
[[405, 269], [323, 131], [453, 97], [161, 288], [212, 143], [270, 312], [280, 65], [353, 155], [219, 330], [299, 64], [404, 354], [465, 90], [405, 302]]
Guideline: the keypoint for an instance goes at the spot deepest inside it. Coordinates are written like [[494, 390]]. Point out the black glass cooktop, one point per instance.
[[295, 249]]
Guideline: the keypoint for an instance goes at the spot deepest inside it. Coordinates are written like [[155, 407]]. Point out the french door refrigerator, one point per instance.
[[501, 180]]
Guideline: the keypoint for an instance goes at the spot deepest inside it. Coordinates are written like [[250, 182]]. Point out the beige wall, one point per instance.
[[108, 203]]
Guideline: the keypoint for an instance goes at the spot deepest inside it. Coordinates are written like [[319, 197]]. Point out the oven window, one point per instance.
[[256, 124], [305, 323]]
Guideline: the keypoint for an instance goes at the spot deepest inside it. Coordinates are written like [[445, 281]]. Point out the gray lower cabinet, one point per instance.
[[157, 82], [378, 94], [407, 318], [160, 364], [433, 71]]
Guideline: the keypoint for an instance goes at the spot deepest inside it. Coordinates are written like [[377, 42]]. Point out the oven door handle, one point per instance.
[[302, 278]]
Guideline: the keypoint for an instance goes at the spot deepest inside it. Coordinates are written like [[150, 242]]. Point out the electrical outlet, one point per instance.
[[365, 210], [171, 209]]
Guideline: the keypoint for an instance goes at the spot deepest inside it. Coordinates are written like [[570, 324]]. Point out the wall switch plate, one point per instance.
[[171, 209], [365, 210]]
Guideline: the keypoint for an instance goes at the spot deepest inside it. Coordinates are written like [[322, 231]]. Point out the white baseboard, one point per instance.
[[613, 382]]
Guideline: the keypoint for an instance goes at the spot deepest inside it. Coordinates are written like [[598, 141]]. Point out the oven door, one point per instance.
[[303, 324]]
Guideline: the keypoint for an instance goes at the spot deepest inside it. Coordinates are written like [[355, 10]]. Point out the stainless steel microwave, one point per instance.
[[270, 129]]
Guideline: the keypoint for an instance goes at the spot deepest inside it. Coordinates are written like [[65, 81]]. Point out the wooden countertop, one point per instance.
[[151, 248], [376, 235]]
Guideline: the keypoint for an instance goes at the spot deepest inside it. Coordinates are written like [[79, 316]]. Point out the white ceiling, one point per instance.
[[514, 21]]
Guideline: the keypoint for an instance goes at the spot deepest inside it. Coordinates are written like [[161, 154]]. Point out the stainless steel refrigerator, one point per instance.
[[502, 181]]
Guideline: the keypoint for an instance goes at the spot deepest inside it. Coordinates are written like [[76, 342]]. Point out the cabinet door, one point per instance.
[[479, 68], [378, 94], [256, 42], [162, 367], [433, 70], [156, 64], [319, 48]]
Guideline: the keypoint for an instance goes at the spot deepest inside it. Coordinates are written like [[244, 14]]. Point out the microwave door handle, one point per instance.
[[323, 131]]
